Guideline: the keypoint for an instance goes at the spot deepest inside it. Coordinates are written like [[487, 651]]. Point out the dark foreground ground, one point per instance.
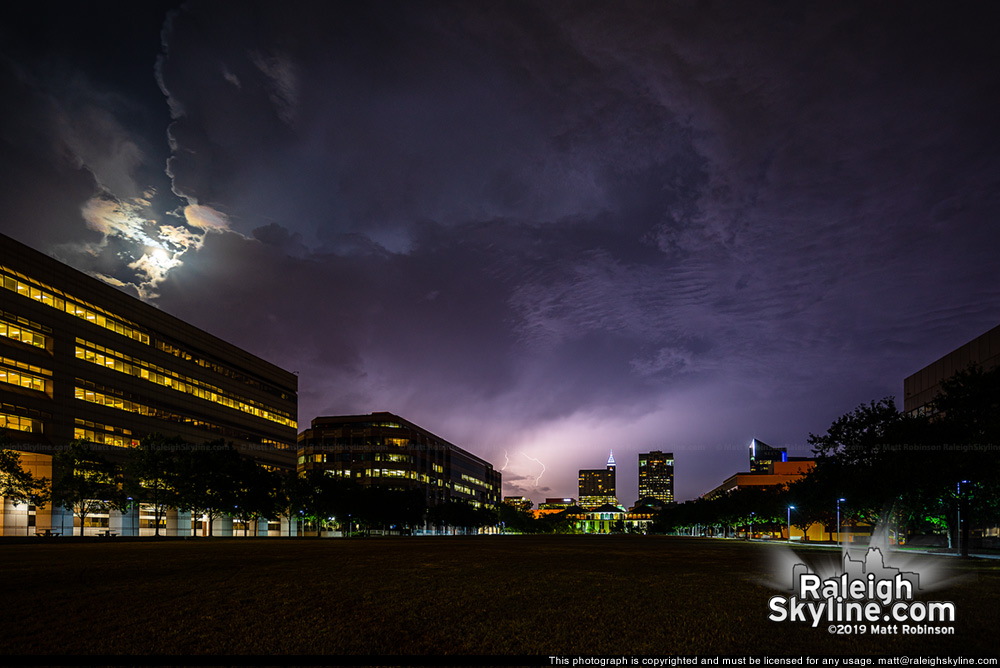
[[516, 595]]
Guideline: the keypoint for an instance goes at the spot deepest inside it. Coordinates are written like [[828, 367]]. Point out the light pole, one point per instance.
[[838, 520], [790, 509], [131, 517], [958, 528]]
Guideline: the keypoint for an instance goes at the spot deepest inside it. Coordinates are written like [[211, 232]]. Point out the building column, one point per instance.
[[14, 519], [289, 526], [178, 522], [116, 520], [61, 521], [129, 519], [223, 526]]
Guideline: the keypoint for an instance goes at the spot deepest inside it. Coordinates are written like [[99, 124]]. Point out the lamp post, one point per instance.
[[838, 520], [958, 527], [131, 517], [790, 509]]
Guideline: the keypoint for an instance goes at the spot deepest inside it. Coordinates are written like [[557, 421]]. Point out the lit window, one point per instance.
[[18, 423], [22, 334]]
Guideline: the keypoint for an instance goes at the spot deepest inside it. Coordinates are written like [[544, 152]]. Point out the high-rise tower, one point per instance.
[[656, 476], [597, 486], [762, 456]]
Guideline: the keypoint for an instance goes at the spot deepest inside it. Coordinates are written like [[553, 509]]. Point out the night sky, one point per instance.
[[540, 230]]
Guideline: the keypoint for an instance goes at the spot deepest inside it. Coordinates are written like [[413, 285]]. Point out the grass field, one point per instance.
[[537, 595]]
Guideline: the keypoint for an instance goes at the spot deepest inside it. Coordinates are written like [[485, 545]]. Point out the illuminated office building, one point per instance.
[[382, 449], [762, 456], [776, 474], [656, 476], [597, 486], [80, 359], [552, 506]]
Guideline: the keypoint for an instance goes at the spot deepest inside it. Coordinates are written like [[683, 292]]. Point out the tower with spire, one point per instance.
[[597, 486]]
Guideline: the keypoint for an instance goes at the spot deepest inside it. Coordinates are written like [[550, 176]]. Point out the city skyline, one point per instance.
[[539, 230]]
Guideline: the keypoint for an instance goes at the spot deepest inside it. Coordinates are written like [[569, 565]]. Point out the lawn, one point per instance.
[[520, 595]]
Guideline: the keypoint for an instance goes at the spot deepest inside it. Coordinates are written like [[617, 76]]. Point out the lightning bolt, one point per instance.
[[539, 476], [507, 461]]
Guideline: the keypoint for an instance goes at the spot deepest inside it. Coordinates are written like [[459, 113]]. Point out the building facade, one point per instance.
[[385, 450], [656, 476], [777, 473], [80, 359], [597, 486], [638, 519], [921, 388], [606, 518]]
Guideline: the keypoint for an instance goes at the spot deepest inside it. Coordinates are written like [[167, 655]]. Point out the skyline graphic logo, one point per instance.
[[865, 597]]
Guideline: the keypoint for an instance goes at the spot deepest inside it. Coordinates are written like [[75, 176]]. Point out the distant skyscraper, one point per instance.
[[597, 486], [656, 476], [763, 455]]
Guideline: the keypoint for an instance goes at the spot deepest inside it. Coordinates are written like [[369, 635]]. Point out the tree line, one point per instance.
[[933, 473], [213, 480], [938, 472]]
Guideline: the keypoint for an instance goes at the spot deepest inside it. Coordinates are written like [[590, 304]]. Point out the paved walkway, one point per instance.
[[977, 555], [941, 552]]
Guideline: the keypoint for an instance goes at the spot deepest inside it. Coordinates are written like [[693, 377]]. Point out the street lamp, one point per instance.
[[838, 520], [790, 509], [958, 527]]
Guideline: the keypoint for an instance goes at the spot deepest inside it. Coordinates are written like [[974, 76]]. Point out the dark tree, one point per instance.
[[517, 520], [968, 422], [863, 458], [858, 437], [324, 497], [257, 493], [392, 508], [207, 484], [293, 497], [814, 499], [920, 472], [86, 482], [152, 474], [969, 404], [461, 515]]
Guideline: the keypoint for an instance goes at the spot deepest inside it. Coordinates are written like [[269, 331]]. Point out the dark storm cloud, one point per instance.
[[544, 230], [393, 117], [39, 182]]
